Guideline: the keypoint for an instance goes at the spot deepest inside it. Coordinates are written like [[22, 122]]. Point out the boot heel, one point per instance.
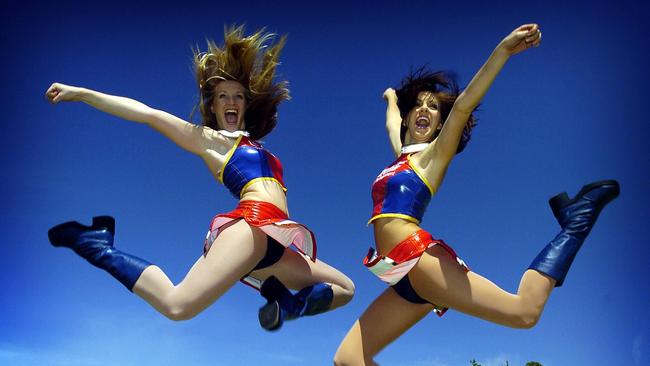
[[558, 202], [269, 316], [107, 222]]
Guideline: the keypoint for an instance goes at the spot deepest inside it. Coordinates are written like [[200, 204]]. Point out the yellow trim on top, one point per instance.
[[395, 215], [250, 182], [419, 174], [228, 156]]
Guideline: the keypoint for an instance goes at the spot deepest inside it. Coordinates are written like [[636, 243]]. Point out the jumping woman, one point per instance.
[[238, 105], [429, 121]]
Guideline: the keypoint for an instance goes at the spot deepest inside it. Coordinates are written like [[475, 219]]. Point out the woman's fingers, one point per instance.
[[53, 93], [527, 27], [57, 98], [538, 40], [531, 37], [388, 93]]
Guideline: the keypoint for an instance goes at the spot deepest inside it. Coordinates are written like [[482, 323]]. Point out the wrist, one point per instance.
[[502, 52], [82, 95]]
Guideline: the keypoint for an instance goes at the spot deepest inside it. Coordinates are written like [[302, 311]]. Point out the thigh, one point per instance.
[[440, 280], [297, 271], [388, 317], [232, 255]]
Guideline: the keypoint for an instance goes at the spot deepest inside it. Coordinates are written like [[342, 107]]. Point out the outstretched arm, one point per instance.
[[193, 138], [444, 149], [393, 120]]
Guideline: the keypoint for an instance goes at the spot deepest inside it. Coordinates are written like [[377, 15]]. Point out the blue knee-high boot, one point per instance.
[[283, 305], [576, 217], [95, 244]]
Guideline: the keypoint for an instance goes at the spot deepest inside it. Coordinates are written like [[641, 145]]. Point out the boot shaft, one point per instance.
[[95, 244], [577, 217]]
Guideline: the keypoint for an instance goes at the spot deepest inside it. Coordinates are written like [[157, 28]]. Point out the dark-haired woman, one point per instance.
[[239, 99], [425, 273]]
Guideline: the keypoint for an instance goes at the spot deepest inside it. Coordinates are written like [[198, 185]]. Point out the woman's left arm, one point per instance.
[[446, 144]]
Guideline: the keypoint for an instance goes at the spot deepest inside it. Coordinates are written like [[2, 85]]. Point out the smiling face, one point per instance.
[[423, 120], [229, 105]]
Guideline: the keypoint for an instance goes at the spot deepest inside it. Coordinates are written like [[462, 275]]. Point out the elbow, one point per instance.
[[150, 115], [463, 105]]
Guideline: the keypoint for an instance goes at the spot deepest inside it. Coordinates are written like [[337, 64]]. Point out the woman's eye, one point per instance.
[[240, 97]]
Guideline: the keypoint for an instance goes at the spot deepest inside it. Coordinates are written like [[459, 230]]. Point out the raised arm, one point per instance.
[[193, 138], [393, 120], [445, 146]]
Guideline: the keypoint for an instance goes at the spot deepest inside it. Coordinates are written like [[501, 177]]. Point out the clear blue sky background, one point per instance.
[[570, 112]]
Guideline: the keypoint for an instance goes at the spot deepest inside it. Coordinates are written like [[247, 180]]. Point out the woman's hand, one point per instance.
[[522, 38], [389, 95], [58, 92]]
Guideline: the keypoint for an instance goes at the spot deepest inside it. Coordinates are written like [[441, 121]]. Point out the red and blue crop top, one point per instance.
[[400, 191], [248, 162]]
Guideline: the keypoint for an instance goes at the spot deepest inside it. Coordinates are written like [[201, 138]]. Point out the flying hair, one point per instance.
[[250, 60], [443, 86]]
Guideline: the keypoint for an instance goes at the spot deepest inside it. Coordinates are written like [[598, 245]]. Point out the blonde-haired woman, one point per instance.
[[238, 105]]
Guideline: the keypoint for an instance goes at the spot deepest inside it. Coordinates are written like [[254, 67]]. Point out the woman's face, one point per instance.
[[229, 105], [423, 120]]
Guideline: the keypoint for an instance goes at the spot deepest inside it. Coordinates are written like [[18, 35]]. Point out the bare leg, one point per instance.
[[297, 272], [233, 254], [438, 279], [387, 318]]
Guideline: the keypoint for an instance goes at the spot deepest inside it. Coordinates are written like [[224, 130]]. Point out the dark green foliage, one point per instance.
[[530, 363]]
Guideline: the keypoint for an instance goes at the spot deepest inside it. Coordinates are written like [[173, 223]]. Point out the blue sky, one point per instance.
[[567, 113]]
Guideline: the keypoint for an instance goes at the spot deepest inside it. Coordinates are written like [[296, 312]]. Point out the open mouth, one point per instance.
[[422, 122], [231, 117]]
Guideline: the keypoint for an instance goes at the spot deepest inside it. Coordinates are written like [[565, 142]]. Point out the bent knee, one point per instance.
[[352, 353], [347, 358], [338, 361], [179, 313], [526, 320], [347, 291]]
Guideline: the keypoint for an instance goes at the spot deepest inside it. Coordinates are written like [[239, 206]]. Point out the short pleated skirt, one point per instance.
[[272, 221], [404, 256]]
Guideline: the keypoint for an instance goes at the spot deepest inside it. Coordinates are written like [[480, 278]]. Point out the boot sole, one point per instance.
[[57, 235], [269, 316], [560, 201]]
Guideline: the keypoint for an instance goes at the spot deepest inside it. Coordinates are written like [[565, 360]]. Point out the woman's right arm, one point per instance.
[[393, 120], [193, 138]]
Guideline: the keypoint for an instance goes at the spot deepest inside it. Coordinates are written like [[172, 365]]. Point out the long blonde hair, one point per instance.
[[251, 61]]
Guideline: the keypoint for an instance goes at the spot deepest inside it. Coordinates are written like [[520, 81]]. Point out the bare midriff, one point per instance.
[[267, 191], [390, 231]]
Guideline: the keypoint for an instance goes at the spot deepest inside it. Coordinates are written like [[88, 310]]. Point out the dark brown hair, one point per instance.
[[251, 61], [443, 86]]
